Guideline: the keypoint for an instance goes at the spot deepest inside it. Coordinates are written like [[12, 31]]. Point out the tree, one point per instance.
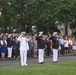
[[23, 14]]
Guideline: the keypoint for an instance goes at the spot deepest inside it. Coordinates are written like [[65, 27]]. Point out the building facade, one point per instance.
[[65, 30]]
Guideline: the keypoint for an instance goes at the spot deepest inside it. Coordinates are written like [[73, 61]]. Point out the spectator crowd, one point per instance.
[[10, 46]]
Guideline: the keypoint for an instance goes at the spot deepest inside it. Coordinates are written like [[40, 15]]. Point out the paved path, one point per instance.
[[31, 61]]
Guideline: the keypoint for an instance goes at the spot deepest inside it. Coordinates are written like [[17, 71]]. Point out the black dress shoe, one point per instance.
[[55, 61], [41, 63]]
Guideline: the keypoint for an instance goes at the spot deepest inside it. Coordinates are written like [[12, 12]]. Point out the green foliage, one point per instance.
[[42, 13], [61, 68]]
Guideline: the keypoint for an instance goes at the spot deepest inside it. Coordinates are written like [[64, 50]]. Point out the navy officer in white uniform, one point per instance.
[[23, 48]]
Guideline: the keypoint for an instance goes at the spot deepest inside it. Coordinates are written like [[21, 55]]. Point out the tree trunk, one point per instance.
[[5, 29], [23, 27], [66, 30], [10, 29]]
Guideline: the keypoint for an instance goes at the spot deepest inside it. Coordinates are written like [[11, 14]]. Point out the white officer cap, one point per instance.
[[54, 33], [41, 32], [23, 33]]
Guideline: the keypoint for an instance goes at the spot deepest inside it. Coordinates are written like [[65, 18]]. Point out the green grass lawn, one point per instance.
[[60, 68]]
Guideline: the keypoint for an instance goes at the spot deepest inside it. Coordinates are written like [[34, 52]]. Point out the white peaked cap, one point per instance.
[[54, 33], [23, 33], [41, 32]]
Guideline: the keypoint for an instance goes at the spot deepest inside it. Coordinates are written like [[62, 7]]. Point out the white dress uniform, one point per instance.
[[23, 50]]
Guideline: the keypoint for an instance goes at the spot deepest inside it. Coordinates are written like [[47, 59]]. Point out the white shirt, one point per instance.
[[62, 41], [66, 44], [23, 43]]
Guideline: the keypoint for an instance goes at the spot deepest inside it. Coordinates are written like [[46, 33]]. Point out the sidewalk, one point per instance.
[[32, 61]]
